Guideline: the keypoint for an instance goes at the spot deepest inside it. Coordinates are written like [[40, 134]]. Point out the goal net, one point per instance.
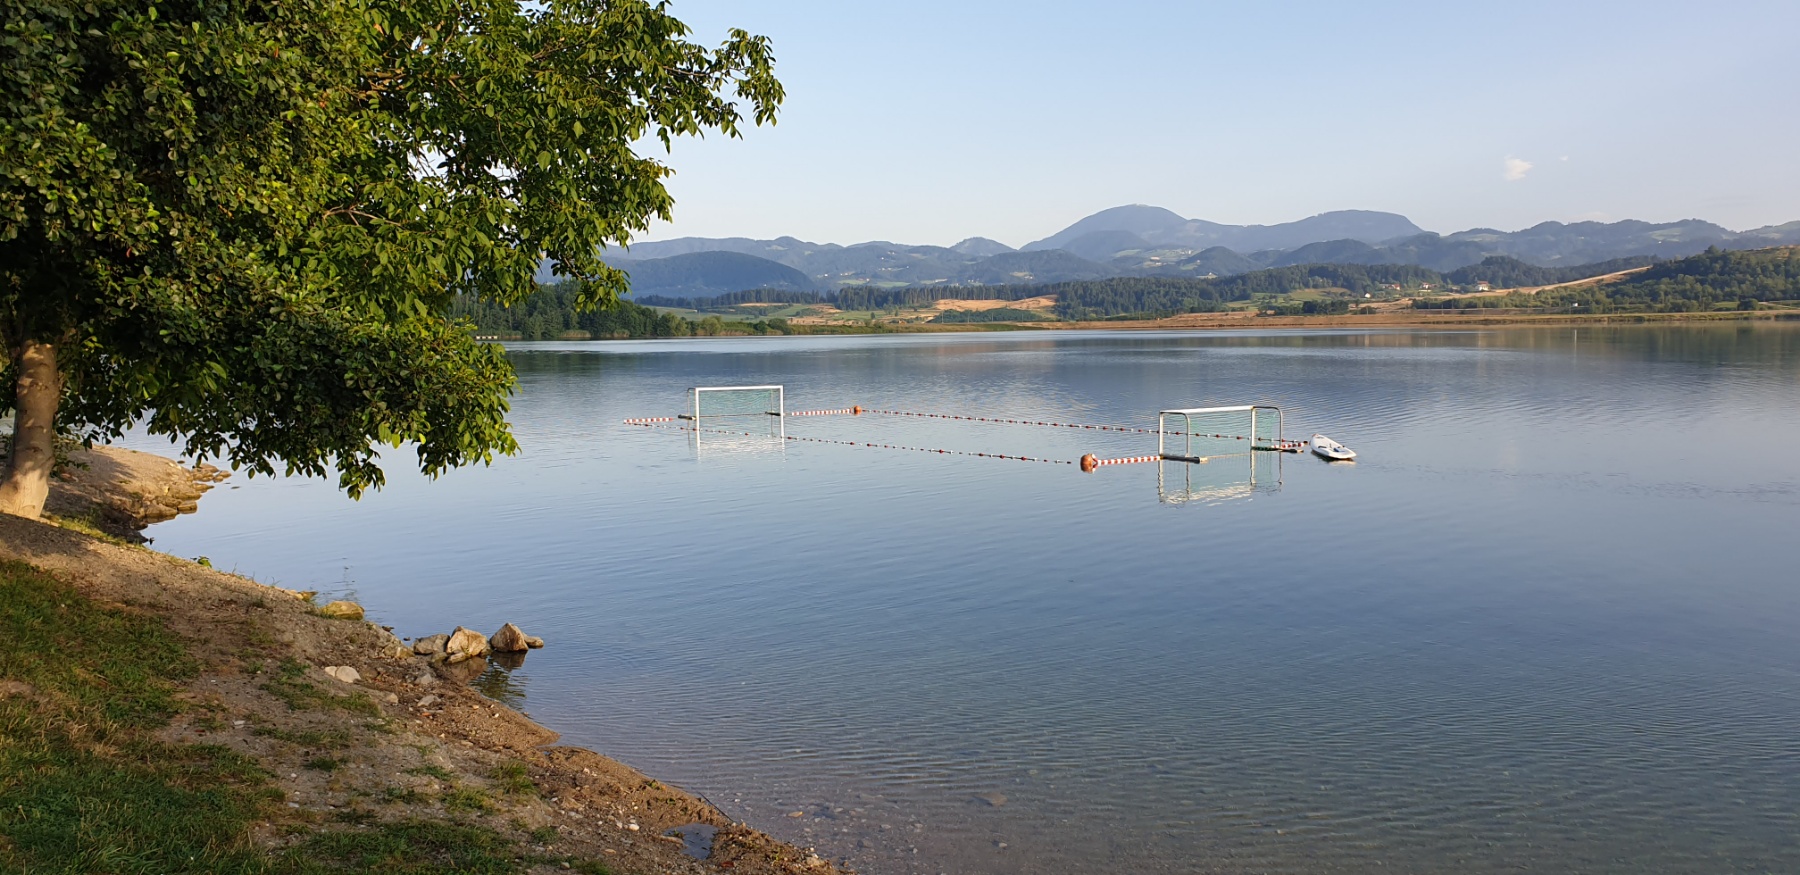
[[710, 401], [1197, 433]]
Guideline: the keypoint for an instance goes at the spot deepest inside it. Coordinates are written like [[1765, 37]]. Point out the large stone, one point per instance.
[[465, 644], [344, 673], [510, 639], [431, 646], [533, 642], [342, 610]]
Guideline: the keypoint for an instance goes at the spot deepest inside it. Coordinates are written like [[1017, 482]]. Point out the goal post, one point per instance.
[[711, 401], [1196, 433]]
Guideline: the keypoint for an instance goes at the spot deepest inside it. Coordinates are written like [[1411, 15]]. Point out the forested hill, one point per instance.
[[1717, 276], [706, 273], [1740, 279], [1506, 272]]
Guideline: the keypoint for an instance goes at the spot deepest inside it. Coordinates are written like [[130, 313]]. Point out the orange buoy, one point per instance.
[[856, 411], [1089, 463]]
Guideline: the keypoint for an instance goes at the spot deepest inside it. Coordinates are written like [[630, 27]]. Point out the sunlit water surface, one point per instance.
[[1550, 619]]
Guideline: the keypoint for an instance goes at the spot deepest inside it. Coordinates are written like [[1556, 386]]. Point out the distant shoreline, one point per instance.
[[1429, 318], [1248, 321]]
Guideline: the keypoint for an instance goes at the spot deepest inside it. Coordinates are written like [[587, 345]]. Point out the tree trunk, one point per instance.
[[38, 393]]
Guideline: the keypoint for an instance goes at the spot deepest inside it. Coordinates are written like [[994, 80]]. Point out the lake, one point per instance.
[[1548, 620]]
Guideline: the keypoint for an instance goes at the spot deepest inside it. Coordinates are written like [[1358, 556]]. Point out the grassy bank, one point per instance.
[[88, 785], [158, 716]]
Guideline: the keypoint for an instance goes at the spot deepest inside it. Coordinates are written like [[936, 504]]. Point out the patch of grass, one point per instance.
[[432, 770], [589, 867], [402, 796], [324, 764], [258, 635], [333, 737], [544, 835], [404, 848], [112, 664], [468, 799], [514, 779], [84, 784], [289, 684]]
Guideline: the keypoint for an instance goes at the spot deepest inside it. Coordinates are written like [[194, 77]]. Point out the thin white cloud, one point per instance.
[[1515, 168]]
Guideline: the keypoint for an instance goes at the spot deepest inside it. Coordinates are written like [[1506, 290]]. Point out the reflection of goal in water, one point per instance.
[[760, 436], [1226, 477]]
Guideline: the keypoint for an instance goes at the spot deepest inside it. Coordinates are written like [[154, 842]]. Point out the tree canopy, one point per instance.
[[243, 223]]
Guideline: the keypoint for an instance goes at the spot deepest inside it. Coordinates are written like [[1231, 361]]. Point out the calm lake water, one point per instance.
[[1549, 620]]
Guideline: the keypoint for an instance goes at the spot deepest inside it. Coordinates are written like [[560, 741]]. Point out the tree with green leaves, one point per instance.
[[242, 224]]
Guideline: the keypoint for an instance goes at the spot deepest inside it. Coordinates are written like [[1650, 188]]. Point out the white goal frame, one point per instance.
[[1187, 415], [695, 394]]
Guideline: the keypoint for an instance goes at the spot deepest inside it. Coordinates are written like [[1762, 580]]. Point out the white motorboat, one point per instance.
[[1330, 450]]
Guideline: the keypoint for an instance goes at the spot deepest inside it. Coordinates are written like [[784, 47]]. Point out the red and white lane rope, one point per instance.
[[846, 411], [868, 445], [649, 419], [1132, 460]]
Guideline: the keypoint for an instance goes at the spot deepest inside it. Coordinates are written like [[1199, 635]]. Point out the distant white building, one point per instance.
[[1482, 287]]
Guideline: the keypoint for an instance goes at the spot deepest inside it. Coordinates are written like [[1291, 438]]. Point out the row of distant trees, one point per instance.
[[556, 311], [1121, 297]]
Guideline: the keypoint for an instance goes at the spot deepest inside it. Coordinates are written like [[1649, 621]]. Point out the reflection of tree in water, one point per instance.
[[497, 681]]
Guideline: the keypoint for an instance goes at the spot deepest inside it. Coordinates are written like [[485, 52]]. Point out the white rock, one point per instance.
[[344, 673]]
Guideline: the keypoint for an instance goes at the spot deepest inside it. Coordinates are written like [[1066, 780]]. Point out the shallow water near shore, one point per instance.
[[1546, 621]]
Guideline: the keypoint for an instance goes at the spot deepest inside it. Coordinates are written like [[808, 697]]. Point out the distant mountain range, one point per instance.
[[1146, 241]]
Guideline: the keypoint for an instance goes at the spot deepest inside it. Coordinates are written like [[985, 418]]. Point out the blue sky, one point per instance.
[[929, 122]]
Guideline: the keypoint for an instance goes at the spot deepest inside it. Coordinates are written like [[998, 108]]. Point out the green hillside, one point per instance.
[[1716, 279]]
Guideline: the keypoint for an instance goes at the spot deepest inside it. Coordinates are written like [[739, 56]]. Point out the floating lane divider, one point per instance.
[[1123, 428], [1089, 462], [872, 446], [651, 419], [1285, 446], [845, 411]]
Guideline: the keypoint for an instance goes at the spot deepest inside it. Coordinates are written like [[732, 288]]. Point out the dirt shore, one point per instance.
[[409, 740], [119, 492]]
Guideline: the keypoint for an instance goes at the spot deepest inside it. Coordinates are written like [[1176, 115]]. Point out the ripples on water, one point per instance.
[[1546, 621]]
